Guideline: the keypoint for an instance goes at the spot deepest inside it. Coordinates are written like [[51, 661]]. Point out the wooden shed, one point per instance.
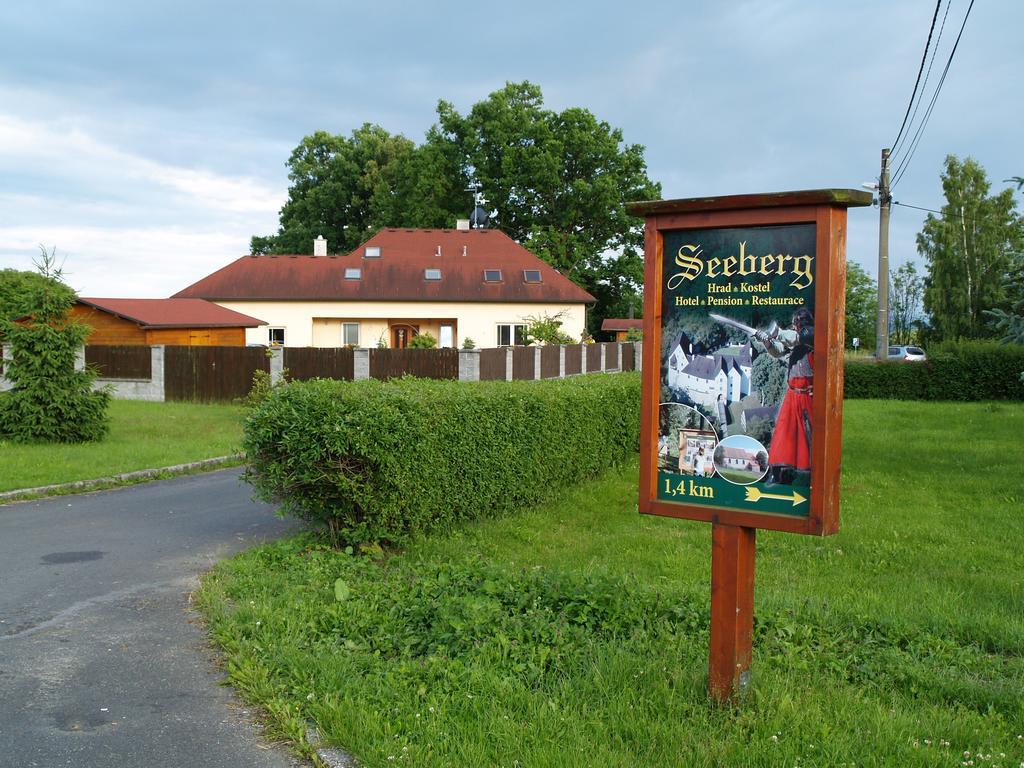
[[184, 322]]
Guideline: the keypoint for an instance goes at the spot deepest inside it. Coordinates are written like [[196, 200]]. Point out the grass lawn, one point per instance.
[[142, 436], [575, 634]]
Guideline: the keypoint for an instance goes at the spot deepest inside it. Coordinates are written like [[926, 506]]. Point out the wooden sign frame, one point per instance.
[[826, 210], [733, 531]]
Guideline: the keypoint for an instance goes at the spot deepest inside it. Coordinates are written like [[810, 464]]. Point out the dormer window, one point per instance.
[[492, 275], [372, 252], [353, 273], [531, 275], [431, 274]]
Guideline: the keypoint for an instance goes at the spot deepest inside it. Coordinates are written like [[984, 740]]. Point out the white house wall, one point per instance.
[[310, 324]]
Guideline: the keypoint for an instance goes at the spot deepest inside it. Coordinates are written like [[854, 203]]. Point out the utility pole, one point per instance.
[[884, 201]]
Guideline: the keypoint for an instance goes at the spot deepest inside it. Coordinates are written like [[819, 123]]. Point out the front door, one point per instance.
[[401, 335]]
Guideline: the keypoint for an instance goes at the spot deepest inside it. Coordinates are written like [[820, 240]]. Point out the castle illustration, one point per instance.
[[712, 380]]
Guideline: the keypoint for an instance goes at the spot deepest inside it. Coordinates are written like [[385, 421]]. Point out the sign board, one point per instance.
[[743, 358]]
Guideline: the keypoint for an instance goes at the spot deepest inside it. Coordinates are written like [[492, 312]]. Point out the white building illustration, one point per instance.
[[722, 377]]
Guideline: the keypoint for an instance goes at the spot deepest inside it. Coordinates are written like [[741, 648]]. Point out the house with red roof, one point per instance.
[[185, 322], [455, 284]]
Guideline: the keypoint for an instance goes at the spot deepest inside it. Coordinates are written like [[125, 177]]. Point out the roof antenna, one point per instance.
[[479, 218]]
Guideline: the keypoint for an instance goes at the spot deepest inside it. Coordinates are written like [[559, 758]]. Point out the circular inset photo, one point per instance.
[[741, 460], [686, 441]]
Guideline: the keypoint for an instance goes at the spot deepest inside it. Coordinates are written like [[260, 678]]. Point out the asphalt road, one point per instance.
[[102, 662]]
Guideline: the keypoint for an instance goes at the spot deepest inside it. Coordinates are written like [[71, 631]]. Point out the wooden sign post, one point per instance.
[[744, 308]]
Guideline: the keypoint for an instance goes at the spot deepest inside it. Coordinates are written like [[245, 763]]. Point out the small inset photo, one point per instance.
[[741, 460], [686, 441]]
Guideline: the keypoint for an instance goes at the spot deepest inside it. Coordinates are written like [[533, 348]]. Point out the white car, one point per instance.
[[906, 353]]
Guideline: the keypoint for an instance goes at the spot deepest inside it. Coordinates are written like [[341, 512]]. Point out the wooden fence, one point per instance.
[[127, 361], [223, 374], [304, 363], [426, 363], [211, 374]]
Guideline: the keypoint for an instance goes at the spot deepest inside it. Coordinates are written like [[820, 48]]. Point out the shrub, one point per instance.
[[380, 460], [51, 401], [964, 370], [423, 341]]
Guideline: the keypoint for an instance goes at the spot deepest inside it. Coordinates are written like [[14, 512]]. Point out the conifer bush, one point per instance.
[[377, 461], [51, 401]]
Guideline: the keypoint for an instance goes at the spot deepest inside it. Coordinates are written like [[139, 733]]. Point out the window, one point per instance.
[[447, 339], [431, 274], [275, 337], [372, 252], [531, 275], [353, 273], [350, 334], [492, 275], [511, 333]]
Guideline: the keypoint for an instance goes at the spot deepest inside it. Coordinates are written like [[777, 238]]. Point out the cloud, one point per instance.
[[137, 262], [63, 151]]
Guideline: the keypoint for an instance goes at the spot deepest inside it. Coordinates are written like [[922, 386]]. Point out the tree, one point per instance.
[[547, 329], [861, 306], [344, 188], [558, 183], [768, 378], [968, 250], [1009, 321], [51, 401], [19, 291], [905, 290]]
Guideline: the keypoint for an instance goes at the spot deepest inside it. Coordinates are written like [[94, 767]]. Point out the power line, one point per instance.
[[916, 207], [924, 57], [902, 168], [927, 75]]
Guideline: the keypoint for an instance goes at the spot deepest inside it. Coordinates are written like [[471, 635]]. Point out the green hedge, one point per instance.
[[970, 370], [377, 461]]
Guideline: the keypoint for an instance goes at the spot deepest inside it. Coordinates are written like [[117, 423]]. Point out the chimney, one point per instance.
[[319, 246], [462, 225]]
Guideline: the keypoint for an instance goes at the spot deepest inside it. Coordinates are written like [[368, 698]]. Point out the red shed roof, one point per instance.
[[399, 273], [173, 313], [622, 324]]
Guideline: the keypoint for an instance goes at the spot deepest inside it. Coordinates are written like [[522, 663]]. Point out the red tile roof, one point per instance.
[[622, 324], [173, 313], [398, 275]]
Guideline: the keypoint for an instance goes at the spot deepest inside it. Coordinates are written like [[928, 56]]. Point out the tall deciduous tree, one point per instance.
[[861, 306], [906, 288], [968, 251], [558, 183], [344, 188]]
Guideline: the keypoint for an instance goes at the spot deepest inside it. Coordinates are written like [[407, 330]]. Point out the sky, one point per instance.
[[147, 142]]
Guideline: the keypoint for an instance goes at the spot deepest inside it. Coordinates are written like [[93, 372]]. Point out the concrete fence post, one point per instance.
[[536, 362], [604, 366], [276, 365], [80, 358], [638, 348], [561, 361], [508, 363], [360, 364], [583, 358], [157, 373], [469, 365]]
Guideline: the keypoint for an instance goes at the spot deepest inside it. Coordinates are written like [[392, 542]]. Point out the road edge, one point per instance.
[[125, 478]]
